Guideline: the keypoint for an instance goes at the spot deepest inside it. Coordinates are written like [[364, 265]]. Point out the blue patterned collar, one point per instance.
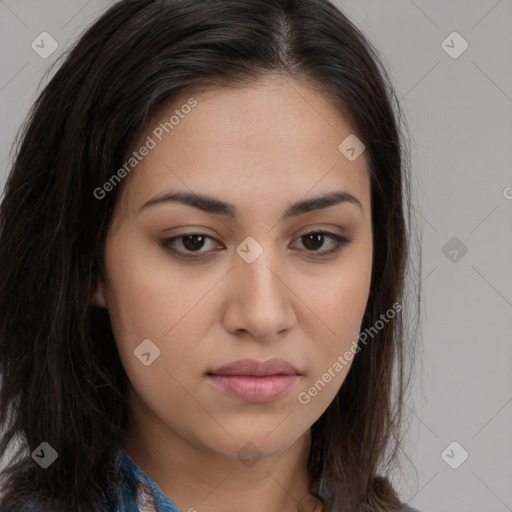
[[139, 493]]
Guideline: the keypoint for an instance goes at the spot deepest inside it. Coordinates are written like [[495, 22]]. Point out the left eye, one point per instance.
[[313, 241]]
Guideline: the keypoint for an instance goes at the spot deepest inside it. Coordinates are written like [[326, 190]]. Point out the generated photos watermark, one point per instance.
[[150, 143], [342, 361]]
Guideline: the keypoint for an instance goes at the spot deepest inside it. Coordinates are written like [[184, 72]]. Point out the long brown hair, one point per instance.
[[62, 379]]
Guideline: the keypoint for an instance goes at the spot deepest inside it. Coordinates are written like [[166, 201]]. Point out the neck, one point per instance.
[[198, 479]]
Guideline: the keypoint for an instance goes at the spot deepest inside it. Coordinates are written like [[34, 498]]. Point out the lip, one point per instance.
[[257, 368], [255, 381]]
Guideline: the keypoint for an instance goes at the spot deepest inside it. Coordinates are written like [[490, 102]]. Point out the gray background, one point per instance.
[[459, 112]]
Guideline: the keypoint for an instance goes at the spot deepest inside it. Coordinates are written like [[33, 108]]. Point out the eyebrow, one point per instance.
[[216, 206]]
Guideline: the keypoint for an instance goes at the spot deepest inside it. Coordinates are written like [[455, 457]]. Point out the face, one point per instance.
[[257, 272]]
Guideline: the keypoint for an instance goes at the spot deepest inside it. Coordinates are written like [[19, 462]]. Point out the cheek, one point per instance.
[[339, 306], [340, 299], [342, 308], [159, 303], [149, 294], [171, 305]]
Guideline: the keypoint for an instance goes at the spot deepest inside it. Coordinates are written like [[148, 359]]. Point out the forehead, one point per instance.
[[275, 138]]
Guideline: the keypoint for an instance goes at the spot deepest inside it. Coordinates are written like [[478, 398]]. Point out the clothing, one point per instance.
[[140, 492]]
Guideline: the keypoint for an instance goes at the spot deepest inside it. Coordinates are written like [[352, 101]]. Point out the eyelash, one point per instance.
[[340, 243]]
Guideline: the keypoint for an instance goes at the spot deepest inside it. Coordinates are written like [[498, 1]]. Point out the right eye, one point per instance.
[[191, 242]]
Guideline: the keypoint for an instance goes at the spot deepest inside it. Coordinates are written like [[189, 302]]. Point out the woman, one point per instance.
[[203, 252]]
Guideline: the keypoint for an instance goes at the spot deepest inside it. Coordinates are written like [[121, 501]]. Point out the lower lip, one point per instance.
[[252, 389]]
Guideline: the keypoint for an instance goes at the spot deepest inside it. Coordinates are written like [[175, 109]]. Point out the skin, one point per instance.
[[261, 147]]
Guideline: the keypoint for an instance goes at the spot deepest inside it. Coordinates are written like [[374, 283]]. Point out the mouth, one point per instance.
[[252, 381]]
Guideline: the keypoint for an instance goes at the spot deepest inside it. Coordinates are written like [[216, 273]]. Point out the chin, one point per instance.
[[254, 443]]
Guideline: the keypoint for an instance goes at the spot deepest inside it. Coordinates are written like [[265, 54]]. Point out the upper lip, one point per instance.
[[257, 368]]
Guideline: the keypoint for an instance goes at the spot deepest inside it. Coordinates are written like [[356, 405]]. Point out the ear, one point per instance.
[[98, 298]]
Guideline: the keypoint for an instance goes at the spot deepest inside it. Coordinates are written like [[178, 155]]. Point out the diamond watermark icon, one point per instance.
[[454, 45], [249, 455], [454, 249], [44, 45], [249, 249], [147, 352], [351, 147], [44, 455], [454, 455]]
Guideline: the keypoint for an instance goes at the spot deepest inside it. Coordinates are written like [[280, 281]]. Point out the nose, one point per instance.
[[260, 300]]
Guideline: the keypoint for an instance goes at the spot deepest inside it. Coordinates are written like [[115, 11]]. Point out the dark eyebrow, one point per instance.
[[216, 206]]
